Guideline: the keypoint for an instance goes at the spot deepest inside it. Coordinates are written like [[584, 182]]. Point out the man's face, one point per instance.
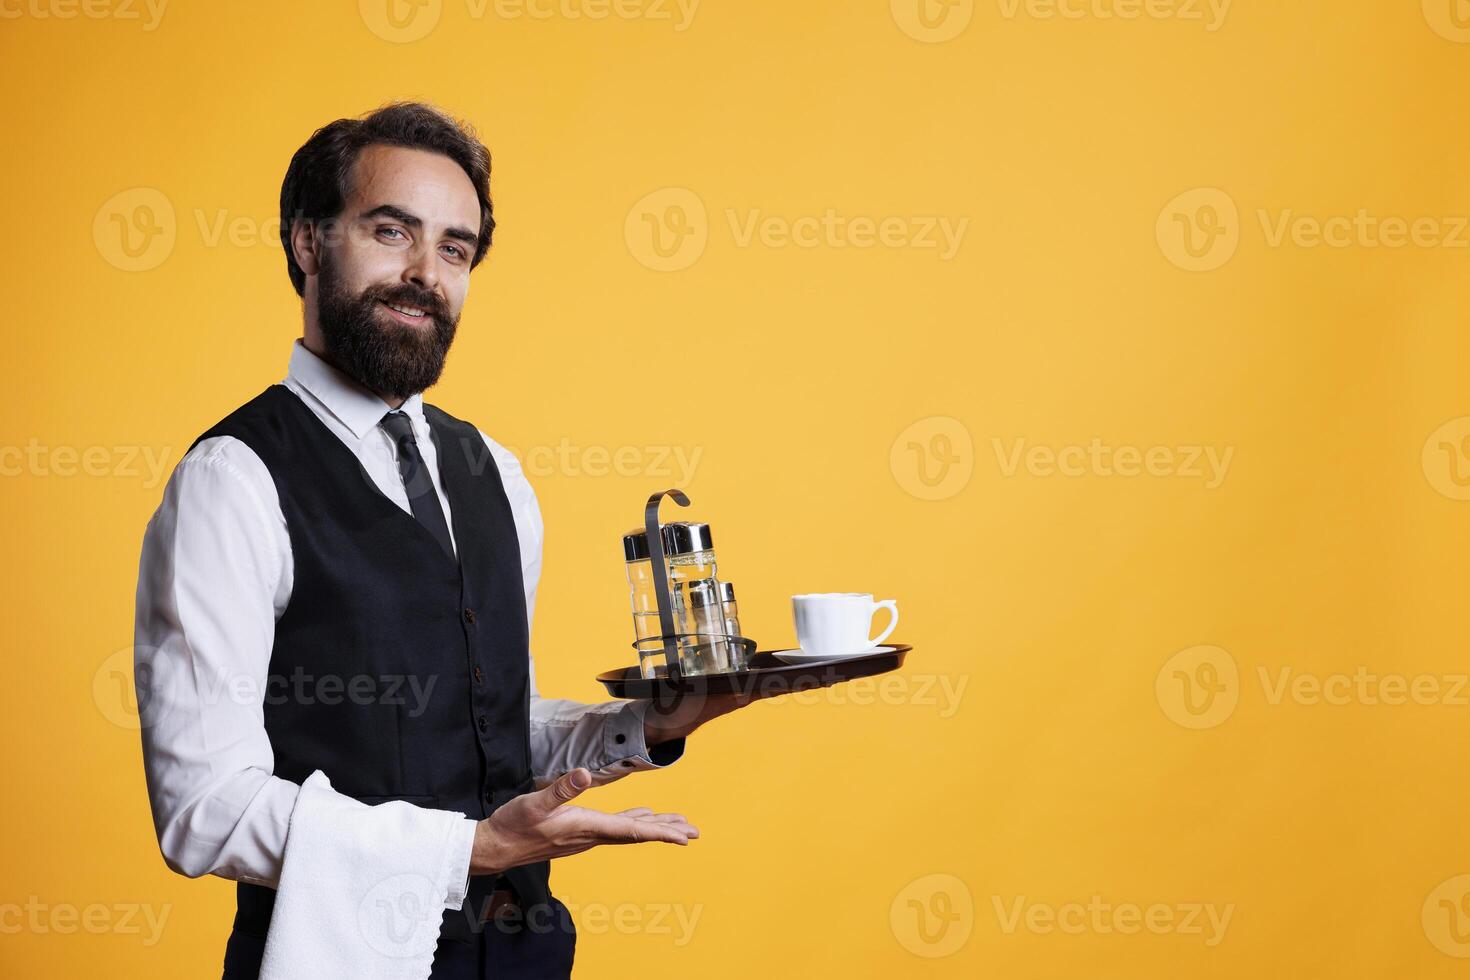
[[395, 270]]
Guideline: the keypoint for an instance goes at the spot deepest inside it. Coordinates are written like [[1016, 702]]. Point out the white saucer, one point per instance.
[[798, 657]]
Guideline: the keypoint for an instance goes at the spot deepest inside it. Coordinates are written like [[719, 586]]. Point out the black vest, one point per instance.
[[398, 672]]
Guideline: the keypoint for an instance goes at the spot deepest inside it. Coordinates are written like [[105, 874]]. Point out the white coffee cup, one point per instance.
[[833, 624]]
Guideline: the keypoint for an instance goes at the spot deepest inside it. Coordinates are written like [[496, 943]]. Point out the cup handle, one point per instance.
[[892, 606]]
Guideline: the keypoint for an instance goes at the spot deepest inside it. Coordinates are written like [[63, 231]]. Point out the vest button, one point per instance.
[[482, 723], [479, 675], [469, 616]]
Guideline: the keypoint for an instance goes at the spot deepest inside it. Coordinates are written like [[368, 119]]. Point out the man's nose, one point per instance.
[[422, 269]]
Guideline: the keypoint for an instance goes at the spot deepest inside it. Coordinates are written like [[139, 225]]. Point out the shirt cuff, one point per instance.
[[625, 750], [461, 848]]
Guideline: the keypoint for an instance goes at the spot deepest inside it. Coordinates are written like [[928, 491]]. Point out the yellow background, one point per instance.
[[1334, 545]]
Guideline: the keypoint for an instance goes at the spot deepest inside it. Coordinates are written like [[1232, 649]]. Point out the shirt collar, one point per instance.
[[353, 405]]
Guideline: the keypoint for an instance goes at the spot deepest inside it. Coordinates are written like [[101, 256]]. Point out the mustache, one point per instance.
[[407, 294]]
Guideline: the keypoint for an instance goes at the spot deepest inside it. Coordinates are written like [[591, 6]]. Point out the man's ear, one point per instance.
[[306, 245]]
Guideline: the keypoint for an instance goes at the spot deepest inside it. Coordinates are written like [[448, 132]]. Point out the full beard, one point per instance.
[[390, 358]]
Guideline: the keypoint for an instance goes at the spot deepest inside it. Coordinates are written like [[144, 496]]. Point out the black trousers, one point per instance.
[[538, 942]]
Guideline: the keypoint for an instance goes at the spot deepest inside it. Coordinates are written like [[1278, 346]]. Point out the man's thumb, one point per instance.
[[567, 787]]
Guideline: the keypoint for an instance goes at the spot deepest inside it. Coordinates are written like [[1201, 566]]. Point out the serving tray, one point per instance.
[[767, 676]]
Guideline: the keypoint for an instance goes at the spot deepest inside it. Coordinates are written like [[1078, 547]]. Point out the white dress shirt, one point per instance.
[[216, 573]]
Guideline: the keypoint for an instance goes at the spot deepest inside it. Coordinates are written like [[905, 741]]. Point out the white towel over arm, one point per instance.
[[362, 890]]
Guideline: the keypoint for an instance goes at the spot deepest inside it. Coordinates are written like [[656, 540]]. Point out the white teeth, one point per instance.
[[405, 310]]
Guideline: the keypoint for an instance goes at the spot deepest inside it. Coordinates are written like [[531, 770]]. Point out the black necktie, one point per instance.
[[421, 496]]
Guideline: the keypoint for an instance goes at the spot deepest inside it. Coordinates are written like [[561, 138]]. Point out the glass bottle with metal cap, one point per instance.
[[739, 658], [716, 623], [690, 559]]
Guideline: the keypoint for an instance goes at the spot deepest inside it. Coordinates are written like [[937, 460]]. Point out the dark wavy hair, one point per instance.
[[315, 188]]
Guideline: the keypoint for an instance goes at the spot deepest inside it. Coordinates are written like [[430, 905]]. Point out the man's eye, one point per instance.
[[390, 231], [458, 252]]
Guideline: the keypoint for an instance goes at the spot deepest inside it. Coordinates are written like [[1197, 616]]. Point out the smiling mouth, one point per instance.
[[410, 313]]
